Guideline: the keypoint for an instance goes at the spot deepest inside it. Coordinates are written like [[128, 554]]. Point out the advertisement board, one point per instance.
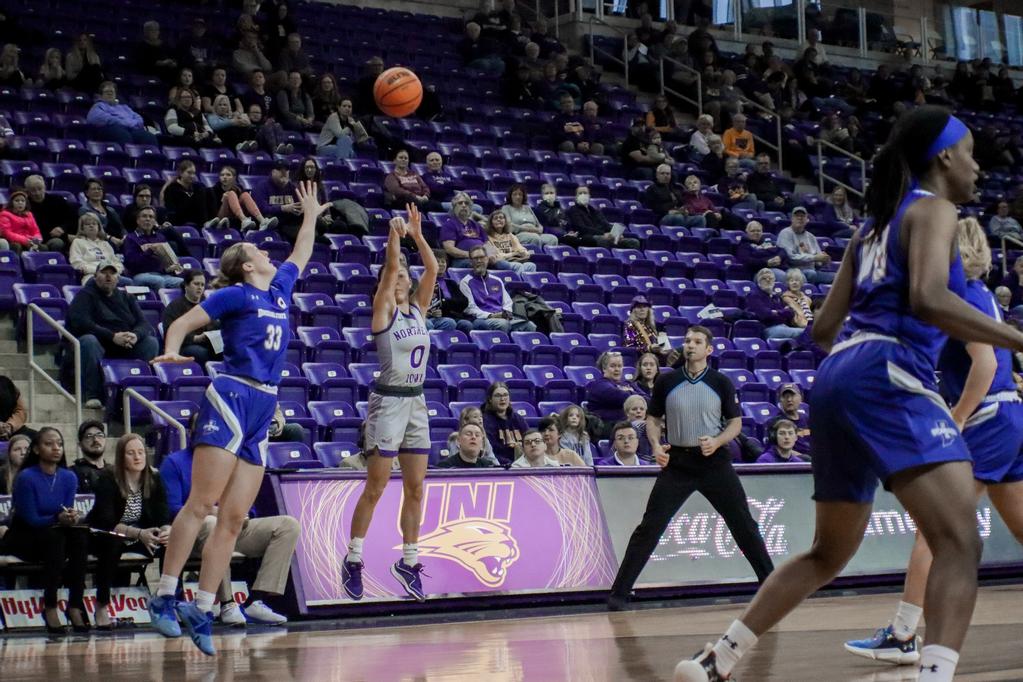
[[504, 533]]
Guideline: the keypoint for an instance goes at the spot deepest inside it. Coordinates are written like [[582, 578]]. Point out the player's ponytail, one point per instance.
[[974, 248], [231, 262], [903, 160]]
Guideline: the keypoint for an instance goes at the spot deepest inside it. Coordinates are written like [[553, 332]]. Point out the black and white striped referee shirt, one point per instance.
[[693, 406]]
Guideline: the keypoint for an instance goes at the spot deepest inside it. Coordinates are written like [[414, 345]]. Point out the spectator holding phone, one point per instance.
[[131, 506], [45, 528]]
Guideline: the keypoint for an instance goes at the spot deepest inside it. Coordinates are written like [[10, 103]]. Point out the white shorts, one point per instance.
[[397, 425]]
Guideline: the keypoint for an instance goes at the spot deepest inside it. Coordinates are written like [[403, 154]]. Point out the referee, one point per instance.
[[699, 406]]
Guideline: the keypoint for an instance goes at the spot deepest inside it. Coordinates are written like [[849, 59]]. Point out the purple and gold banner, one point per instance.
[[506, 533]]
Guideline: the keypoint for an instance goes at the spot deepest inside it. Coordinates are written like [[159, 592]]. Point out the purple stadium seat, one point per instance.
[[800, 360], [803, 378], [364, 373], [749, 346], [497, 348], [760, 412], [294, 386], [767, 359], [360, 340], [330, 381], [334, 419], [318, 310], [575, 348], [324, 344], [162, 436], [121, 374], [330, 454], [739, 377], [581, 376], [550, 382], [548, 407], [773, 378], [48, 267], [731, 359], [755, 392], [184, 381], [291, 456], [604, 342], [537, 348]]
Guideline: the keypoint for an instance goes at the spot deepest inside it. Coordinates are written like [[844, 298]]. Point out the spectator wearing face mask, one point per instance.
[[587, 225], [550, 212], [522, 221]]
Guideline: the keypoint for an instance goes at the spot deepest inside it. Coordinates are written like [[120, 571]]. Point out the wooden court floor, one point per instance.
[[598, 646]]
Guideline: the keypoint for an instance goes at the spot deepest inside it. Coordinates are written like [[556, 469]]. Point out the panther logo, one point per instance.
[[484, 547]]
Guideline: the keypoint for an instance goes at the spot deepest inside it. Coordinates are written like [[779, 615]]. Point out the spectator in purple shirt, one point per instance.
[[490, 306], [460, 233], [767, 307], [275, 197], [782, 438], [442, 186], [503, 425], [790, 402], [117, 122], [606, 396], [141, 259], [758, 251], [624, 447]]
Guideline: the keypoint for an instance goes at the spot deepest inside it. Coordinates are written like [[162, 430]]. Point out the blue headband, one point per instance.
[[954, 131]]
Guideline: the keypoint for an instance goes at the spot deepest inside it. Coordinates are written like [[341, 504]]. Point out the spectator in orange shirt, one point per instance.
[[739, 142]]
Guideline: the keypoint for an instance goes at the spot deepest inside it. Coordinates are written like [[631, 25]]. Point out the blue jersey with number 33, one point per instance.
[[255, 325], [880, 302]]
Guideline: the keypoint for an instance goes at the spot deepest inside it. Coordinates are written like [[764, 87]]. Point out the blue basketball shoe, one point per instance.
[[199, 626], [409, 578], [351, 578], [163, 617], [884, 646]]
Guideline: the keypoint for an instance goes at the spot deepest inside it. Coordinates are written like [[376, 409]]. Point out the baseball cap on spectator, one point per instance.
[[789, 388], [281, 164], [639, 301], [106, 264], [800, 209]]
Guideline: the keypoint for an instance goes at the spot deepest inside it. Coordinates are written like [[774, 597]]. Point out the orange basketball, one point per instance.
[[398, 92]]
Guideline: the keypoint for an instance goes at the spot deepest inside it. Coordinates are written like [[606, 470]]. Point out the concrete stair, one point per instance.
[[50, 408]]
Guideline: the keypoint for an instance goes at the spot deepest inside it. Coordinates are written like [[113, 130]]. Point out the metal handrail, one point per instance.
[[34, 310], [131, 394], [777, 125], [1006, 240], [822, 176], [624, 61], [699, 83]]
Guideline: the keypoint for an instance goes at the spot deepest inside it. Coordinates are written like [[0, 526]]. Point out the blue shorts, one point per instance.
[[995, 436], [875, 411], [235, 415]]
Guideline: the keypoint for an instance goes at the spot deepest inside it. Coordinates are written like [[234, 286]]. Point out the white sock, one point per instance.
[[355, 550], [907, 617], [732, 646], [168, 586], [938, 663], [204, 601], [410, 553]]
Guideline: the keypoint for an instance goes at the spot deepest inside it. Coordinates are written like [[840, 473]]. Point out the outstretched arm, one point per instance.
[[383, 300], [311, 210], [194, 319], [424, 294]]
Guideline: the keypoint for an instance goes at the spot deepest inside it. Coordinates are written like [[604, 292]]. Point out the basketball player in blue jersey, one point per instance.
[[231, 444], [875, 413], [397, 424], [977, 380]]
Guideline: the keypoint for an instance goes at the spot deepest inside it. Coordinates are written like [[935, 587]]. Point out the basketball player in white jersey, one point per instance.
[[397, 424]]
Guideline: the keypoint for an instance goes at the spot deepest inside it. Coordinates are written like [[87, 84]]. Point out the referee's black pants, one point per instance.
[[687, 472]]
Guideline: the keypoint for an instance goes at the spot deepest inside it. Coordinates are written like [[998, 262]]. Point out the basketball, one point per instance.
[[398, 92]]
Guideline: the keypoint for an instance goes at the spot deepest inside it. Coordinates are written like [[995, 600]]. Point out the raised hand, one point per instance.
[[399, 226], [414, 226], [307, 199]]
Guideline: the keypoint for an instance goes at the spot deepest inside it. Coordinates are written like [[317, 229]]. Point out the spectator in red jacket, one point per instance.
[[17, 225]]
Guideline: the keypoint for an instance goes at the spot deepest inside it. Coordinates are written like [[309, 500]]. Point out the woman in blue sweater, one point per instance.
[[44, 527]]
